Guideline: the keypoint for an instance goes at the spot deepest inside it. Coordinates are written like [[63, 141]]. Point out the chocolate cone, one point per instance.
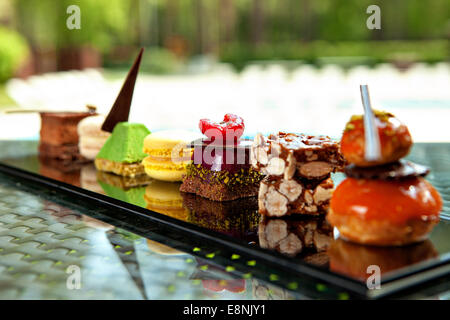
[[121, 108]]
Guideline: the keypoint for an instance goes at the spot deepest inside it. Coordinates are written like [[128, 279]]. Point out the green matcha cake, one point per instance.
[[122, 153]]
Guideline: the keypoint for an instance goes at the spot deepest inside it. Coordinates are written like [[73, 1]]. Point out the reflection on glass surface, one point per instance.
[[68, 172], [238, 218], [40, 239], [122, 182], [353, 259], [306, 237], [217, 283], [311, 240], [162, 248], [265, 291], [89, 179], [126, 189], [164, 197]]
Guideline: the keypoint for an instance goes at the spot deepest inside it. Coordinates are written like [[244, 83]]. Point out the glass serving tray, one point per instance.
[[236, 228]]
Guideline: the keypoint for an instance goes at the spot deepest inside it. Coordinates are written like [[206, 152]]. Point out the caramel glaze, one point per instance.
[[395, 139], [396, 201]]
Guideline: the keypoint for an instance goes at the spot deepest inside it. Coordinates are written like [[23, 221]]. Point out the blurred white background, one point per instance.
[[269, 98]]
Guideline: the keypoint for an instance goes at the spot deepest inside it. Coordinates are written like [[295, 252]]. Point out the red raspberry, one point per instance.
[[230, 129]]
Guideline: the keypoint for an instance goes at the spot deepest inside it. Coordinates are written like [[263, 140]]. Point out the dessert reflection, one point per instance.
[[307, 237], [215, 280], [352, 259], [162, 248], [211, 280], [238, 218], [126, 189], [265, 291], [89, 179], [165, 198], [311, 240], [64, 171]]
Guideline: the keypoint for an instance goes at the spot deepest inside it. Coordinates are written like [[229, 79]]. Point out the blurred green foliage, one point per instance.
[[208, 25], [13, 52], [274, 21], [104, 23], [238, 31], [160, 61], [156, 60], [355, 52]]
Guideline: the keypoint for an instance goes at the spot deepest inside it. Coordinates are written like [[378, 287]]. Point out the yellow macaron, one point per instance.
[[167, 155]]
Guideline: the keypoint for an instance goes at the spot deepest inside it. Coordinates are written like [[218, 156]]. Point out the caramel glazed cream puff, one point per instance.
[[387, 202], [167, 155]]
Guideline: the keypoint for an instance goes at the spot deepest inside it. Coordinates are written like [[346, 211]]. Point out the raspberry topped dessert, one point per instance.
[[230, 129], [220, 169]]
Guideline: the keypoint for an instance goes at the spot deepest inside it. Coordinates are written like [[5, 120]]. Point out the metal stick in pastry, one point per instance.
[[372, 146]]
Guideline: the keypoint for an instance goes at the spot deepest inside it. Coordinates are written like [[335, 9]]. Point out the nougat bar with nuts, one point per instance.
[[292, 236], [280, 197], [289, 154]]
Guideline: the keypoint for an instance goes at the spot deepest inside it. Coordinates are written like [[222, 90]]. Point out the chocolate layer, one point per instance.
[[59, 128], [59, 135], [218, 191], [398, 170], [220, 185], [121, 108]]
